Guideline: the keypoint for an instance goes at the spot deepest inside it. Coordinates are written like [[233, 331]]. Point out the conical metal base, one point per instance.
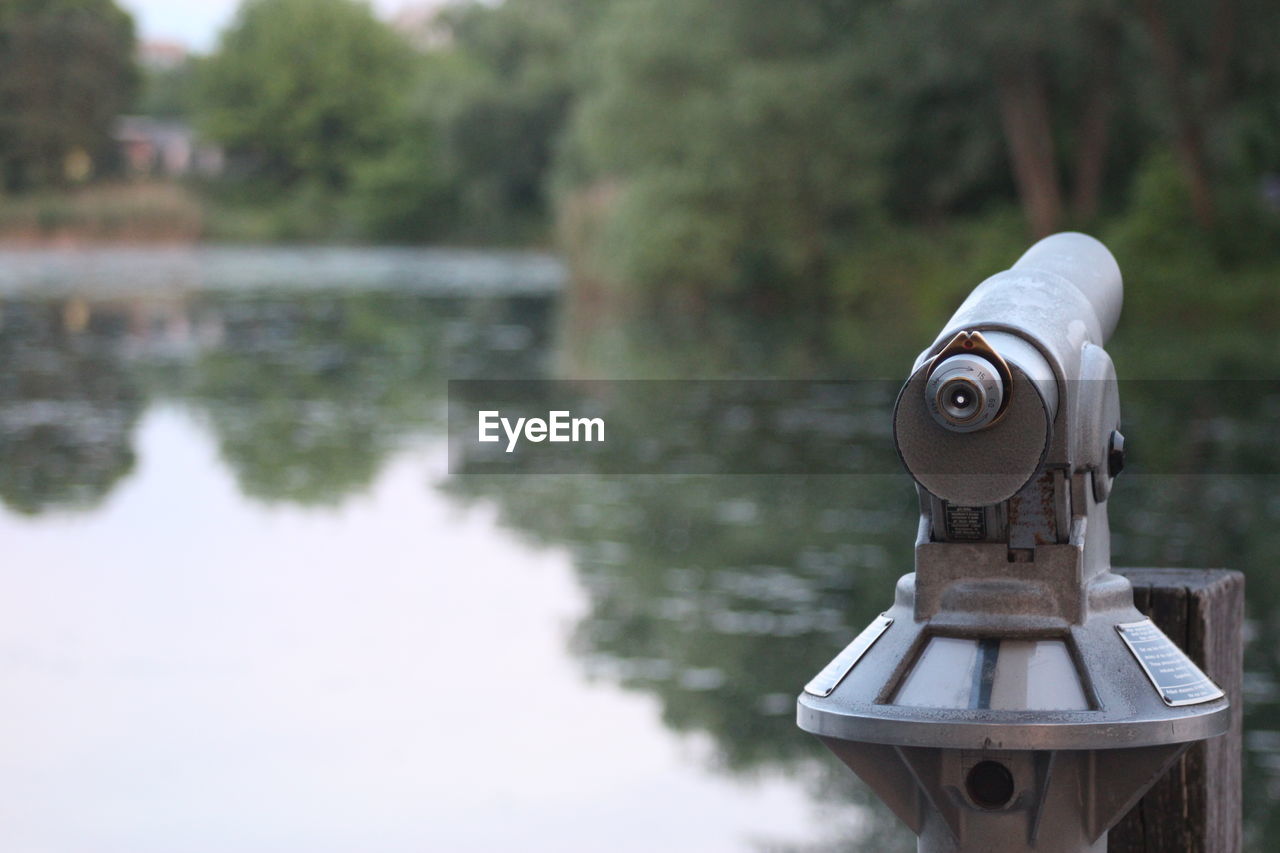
[[975, 801]]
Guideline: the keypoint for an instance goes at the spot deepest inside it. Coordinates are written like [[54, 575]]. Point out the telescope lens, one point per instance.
[[961, 399], [964, 393]]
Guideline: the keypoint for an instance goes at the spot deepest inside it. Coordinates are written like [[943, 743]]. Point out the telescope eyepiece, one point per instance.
[[960, 399], [964, 393]]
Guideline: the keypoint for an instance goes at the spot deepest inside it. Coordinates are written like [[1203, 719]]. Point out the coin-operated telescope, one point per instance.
[[1012, 698]]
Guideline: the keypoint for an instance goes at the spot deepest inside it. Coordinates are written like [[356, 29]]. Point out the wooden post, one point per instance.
[[1195, 808]]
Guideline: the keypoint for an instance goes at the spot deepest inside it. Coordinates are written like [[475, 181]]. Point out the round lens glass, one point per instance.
[[960, 399]]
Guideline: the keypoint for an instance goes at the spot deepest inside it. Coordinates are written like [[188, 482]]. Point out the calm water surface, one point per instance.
[[246, 607]]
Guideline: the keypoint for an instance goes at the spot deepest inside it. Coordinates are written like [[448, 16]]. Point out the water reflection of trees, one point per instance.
[[306, 393], [308, 396], [720, 595], [1216, 503], [68, 405], [716, 595], [1222, 521]]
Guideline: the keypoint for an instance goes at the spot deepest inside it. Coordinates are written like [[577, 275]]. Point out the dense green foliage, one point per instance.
[[728, 128], [705, 149], [830, 151], [302, 90], [167, 91], [479, 128], [66, 71], [754, 147]]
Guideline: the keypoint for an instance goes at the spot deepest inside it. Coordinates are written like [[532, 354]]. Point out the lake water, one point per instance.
[[247, 607]]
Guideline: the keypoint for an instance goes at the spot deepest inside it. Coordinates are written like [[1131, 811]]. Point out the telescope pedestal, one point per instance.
[[987, 744], [1014, 697]]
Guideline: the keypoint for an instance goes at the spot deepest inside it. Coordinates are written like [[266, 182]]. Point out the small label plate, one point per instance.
[[965, 523], [1175, 677], [833, 673]]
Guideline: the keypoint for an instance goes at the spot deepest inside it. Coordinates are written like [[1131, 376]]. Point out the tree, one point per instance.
[[478, 136], [66, 71], [500, 139], [1027, 72], [1071, 82], [733, 134], [302, 90], [167, 92]]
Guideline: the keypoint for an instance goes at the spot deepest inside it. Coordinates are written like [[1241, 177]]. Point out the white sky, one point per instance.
[[197, 23]]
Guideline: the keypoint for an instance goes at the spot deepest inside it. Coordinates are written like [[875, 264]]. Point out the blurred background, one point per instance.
[[245, 603]]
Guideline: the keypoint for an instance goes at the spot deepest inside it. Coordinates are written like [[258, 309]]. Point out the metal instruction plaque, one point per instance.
[[833, 673], [966, 523], [1175, 677]]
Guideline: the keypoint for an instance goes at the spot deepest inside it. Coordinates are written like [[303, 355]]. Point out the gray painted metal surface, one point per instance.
[[996, 705]]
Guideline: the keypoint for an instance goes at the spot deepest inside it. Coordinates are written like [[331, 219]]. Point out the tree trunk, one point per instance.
[[1024, 114], [1221, 50], [1189, 136], [1095, 120]]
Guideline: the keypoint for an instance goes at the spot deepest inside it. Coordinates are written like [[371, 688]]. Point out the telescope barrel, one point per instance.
[[1086, 264], [1065, 290], [986, 395]]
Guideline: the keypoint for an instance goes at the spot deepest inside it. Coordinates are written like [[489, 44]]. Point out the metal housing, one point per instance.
[[1013, 552]]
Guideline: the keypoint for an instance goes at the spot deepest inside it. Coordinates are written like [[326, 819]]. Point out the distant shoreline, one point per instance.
[[168, 213], [118, 270], [106, 213]]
